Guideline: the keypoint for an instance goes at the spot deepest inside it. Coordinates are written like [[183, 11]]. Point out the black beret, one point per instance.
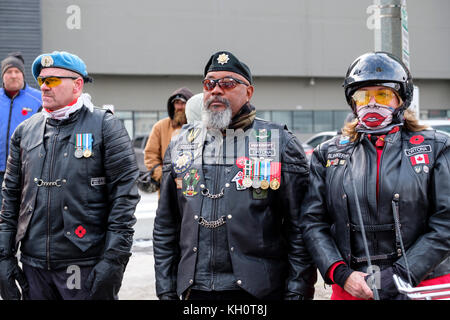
[[226, 61]]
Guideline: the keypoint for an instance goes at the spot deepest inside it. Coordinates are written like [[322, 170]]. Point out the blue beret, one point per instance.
[[60, 59], [226, 61]]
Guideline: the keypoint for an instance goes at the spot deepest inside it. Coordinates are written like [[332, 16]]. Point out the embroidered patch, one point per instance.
[[262, 134], [339, 155], [416, 150], [100, 181], [419, 159], [80, 231], [259, 194], [238, 178], [417, 139], [344, 140], [190, 181], [334, 162], [187, 146], [179, 183], [183, 162]]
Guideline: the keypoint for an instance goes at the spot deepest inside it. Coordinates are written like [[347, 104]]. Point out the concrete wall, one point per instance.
[[299, 38]]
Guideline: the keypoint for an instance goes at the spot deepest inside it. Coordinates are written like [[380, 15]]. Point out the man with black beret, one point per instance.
[[227, 223], [18, 102], [69, 193]]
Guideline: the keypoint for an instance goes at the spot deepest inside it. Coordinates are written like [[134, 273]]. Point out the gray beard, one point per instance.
[[216, 119]]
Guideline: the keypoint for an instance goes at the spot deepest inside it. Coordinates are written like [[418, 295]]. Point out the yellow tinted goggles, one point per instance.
[[52, 81], [381, 96]]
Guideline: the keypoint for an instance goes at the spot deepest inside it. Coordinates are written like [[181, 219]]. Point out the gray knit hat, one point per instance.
[[14, 59]]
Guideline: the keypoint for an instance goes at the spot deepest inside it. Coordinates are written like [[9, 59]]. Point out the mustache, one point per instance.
[[211, 100]]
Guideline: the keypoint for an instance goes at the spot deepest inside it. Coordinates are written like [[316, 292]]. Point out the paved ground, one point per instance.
[[139, 278]]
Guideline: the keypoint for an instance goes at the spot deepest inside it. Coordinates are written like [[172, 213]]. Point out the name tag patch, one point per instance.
[[99, 181], [417, 150]]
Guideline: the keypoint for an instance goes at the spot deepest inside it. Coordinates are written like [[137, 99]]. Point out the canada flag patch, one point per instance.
[[419, 159]]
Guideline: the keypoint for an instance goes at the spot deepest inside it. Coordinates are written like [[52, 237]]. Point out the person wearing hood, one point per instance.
[[164, 129], [18, 102]]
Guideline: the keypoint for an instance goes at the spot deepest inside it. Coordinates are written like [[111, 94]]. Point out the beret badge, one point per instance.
[[223, 58], [47, 61]]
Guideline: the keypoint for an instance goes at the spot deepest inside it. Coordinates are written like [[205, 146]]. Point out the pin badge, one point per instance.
[[223, 58], [193, 133], [47, 61]]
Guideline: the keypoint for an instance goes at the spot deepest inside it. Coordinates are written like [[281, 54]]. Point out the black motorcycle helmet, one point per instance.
[[383, 69]]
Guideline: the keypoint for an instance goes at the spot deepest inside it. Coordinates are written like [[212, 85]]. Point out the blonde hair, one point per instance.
[[411, 123]]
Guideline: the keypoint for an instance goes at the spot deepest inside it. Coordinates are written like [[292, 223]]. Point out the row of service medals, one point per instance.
[[261, 174], [83, 146]]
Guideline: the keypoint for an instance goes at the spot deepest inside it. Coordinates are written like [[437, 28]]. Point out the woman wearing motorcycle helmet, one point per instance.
[[379, 192]]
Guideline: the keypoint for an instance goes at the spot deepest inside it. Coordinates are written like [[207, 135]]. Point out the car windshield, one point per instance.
[[445, 128]]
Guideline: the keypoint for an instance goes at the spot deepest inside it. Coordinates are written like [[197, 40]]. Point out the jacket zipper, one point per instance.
[[214, 217], [7, 131], [48, 195]]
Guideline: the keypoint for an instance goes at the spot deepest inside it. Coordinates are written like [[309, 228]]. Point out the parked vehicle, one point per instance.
[[438, 124], [139, 143], [320, 137]]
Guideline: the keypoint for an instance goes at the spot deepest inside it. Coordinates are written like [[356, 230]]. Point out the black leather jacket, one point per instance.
[[264, 241], [64, 209], [414, 182]]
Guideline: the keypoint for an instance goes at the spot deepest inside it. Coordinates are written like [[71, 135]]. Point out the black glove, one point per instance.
[[388, 290], [168, 296], [9, 273], [105, 280]]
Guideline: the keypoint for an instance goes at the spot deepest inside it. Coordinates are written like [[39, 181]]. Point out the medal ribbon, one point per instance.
[[248, 168], [265, 170], [79, 141], [275, 171], [87, 141], [256, 169]]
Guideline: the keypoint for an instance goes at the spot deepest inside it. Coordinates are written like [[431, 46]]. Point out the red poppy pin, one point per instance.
[[240, 162], [416, 139], [25, 111], [80, 231]]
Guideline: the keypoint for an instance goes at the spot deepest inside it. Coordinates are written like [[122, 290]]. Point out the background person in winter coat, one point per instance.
[[18, 102], [164, 129]]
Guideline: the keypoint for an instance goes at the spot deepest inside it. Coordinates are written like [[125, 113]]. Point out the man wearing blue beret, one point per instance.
[[69, 193]]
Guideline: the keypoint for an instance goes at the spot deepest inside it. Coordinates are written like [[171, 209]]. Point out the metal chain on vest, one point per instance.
[[205, 193], [42, 183], [212, 224]]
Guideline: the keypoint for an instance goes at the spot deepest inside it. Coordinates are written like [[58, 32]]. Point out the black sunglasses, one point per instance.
[[224, 83]]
